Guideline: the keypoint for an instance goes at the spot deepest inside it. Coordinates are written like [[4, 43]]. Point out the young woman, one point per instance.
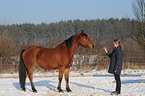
[[116, 61]]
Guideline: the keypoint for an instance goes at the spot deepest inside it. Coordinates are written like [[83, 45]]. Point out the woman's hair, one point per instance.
[[117, 41]]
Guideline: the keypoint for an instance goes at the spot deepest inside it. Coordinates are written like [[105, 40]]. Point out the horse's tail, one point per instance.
[[22, 71]]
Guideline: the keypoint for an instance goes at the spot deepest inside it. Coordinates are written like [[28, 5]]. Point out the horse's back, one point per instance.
[[53, 58], [47, 58]]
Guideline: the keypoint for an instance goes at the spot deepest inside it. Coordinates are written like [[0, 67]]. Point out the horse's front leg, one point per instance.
[[67, 79], [61, 71]]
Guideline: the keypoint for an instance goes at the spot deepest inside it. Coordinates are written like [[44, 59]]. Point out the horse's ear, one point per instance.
[[82, 33]]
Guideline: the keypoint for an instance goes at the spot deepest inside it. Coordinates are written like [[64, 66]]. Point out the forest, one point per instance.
[[101, 32], [14, 38]]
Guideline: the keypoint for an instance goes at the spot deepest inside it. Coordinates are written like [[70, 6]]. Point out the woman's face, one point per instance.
[[115, 45]]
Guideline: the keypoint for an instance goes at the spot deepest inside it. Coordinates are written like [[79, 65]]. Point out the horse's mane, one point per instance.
[[85, 34], [69, 42]]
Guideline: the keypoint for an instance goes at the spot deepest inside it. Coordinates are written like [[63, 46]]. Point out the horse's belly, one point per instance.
[[48, 65], [52, 60]]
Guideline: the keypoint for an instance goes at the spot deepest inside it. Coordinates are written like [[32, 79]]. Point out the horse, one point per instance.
[[60, 57]]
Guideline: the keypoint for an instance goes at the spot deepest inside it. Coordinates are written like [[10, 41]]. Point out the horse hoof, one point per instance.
[[23, 89], [68, 90], [35, 90], [61, 90]]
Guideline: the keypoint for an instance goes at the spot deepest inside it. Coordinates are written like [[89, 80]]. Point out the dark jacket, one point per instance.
[[116, 60]]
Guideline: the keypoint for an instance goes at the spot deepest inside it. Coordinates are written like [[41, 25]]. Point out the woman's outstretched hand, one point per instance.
[[105, 49]]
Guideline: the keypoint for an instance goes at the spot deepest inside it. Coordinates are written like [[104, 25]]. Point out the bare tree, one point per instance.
[[7, 46], [139, 12]]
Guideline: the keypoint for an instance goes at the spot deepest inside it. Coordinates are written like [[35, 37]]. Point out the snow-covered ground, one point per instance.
[[77, 73], [81, 84]]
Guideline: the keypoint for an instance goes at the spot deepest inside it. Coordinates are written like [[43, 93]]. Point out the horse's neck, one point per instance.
[[74, 47]]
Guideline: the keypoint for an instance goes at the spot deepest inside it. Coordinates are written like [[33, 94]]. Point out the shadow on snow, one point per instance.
[[133, 81], [91, 87], [49, 85], [46, 83]]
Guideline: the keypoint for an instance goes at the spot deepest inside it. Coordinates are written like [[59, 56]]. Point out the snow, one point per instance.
[[81, 84]]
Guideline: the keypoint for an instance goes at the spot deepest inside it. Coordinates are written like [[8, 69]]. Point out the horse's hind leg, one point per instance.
[[61, 71], [30, 75], [67, 79]]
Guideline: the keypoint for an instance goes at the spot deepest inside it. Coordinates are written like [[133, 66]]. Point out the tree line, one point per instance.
[[101, 32], [14, 38]]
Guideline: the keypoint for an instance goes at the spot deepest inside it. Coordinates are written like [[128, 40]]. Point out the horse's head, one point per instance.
[[85, 41]]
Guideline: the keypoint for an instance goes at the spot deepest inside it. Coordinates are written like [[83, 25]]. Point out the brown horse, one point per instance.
[[60, 57]]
